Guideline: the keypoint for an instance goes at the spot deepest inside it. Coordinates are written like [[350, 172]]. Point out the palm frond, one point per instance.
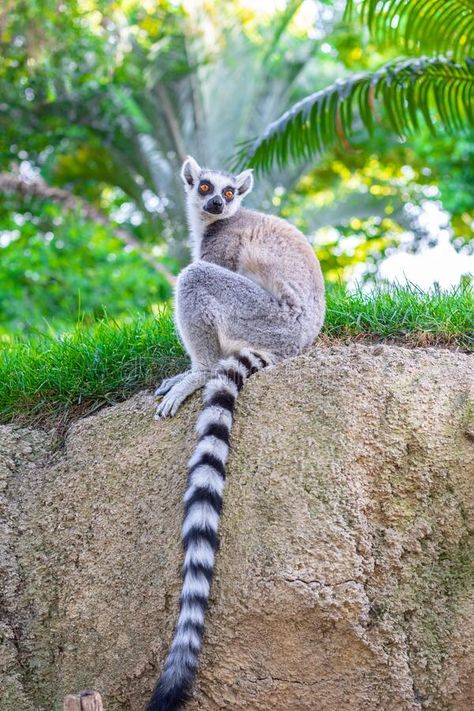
[[438, 26], [402, 94]]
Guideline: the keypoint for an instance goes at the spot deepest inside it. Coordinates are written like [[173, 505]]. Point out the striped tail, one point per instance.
[[202, 510]]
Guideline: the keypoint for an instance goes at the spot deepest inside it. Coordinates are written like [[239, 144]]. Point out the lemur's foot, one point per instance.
[[181, 389], [166, 384]]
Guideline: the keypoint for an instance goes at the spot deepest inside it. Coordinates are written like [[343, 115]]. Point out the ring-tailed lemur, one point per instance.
[[253, 296]]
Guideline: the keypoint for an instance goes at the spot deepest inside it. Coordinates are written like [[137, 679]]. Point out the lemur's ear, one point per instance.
[[244, 182], [190, 171]]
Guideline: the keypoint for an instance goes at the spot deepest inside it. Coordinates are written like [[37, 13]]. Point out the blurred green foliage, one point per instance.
[[104, 97], [59, 269]]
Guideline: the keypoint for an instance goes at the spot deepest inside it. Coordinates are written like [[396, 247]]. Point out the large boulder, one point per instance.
[[345, 576]]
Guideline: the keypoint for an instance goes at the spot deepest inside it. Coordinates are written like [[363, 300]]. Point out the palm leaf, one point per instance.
[[438, 26], [406, 93]]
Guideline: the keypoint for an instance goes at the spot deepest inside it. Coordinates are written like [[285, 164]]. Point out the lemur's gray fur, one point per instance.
[[253, 296]]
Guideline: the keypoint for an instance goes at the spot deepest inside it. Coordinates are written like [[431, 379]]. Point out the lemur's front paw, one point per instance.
[[166, 384], [183, 386], [170, 404]]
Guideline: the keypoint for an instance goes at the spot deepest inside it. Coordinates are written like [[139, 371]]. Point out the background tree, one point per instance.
[[428, 100], [102, 101], [407, 90]]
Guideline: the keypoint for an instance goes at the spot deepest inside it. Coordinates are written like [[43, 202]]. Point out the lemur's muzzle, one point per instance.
[[215, 205]]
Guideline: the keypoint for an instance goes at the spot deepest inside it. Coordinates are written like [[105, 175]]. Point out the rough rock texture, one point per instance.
[[346, 572]]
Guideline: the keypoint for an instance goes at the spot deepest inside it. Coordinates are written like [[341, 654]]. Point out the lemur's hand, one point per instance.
[[166, 384], [177, 389], [169, 405]]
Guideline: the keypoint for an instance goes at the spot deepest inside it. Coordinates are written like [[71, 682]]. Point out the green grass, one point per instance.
[[404, 314], [48, 379]]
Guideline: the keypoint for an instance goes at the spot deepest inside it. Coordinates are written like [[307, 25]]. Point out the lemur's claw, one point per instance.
[[168, 407], [163, 410]]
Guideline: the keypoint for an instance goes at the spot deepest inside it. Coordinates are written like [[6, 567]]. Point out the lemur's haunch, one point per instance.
[[253, 296]]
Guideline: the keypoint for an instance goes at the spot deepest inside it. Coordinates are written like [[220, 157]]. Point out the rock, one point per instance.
[[346, 572]]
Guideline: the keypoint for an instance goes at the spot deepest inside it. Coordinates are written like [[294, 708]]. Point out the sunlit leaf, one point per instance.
[[442, 26]]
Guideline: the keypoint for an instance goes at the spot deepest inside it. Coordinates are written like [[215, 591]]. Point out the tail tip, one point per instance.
[[168, 699]]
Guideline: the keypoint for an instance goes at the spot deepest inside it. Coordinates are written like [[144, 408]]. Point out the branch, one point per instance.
[[11, 183], [171, 121]]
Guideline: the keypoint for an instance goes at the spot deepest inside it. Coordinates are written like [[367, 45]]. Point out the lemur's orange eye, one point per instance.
[[204, 188], [229, 194]]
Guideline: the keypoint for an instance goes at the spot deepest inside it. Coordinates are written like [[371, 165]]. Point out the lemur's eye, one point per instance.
[[229, 194], [204, 188]]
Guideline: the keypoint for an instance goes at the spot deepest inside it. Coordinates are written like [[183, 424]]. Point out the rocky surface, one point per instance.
[[345, 577]]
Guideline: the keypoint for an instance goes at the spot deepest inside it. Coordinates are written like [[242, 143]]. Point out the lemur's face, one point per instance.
[[214, 195]]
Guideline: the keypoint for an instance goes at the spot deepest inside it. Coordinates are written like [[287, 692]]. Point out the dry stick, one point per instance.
[[84, 701], [11, 183]]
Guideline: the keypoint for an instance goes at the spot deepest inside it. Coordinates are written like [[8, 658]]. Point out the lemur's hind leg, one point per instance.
[[216, 308]]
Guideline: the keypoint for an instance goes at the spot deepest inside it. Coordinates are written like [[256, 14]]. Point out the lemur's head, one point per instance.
[[214, 194]]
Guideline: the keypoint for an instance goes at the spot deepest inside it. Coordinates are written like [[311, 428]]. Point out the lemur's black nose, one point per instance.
[[215, 205]]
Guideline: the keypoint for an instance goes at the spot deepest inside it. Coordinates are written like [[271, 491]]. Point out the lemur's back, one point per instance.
[[271, 252]]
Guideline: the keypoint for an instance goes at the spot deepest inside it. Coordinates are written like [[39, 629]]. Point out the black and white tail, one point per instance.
[[202, 510]]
